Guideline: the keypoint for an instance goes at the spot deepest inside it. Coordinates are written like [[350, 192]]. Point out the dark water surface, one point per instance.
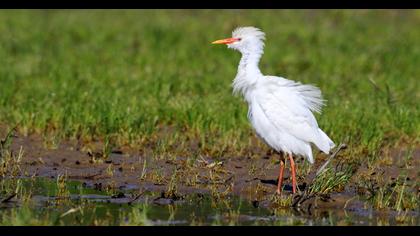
[[45, 201]]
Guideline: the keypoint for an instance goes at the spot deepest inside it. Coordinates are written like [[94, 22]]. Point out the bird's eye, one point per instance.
[[239, 39]]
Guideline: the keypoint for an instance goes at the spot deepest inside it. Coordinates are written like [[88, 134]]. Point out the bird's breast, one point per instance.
[[262, 126]]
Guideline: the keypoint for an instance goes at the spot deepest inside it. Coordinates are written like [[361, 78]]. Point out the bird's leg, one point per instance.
[[292, 166], [280, 182]]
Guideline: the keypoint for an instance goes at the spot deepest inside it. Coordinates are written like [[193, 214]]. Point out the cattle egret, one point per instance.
[[280, 110]]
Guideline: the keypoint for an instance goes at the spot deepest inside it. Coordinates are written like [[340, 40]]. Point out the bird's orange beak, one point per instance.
[[226, 41]]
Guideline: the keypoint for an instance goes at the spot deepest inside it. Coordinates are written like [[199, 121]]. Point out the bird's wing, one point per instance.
[[288, 105], [311, 95]]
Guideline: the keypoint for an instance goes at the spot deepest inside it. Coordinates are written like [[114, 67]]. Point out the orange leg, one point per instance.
[[280, 182], [292, 165]]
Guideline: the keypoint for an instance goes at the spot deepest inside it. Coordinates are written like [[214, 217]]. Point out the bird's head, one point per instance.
[[245, 39]]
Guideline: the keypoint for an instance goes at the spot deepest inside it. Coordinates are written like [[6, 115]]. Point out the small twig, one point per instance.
[[347, 202], [8, 198], [203, 160], [298, 200], [72, 210], [302, 198], [136, 197], [321, 169], [253, 179]]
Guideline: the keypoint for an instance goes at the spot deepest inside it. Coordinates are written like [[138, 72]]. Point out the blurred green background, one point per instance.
[[141, 77]]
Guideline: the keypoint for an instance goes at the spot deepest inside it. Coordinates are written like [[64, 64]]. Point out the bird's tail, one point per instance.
[[324, 143]]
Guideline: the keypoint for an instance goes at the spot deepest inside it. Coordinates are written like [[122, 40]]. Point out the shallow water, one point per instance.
[[75, 204]]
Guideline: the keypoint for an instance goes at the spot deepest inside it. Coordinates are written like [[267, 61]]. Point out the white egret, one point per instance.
[[280, 110]]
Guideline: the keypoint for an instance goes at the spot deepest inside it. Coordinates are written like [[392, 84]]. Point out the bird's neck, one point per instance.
[[248, 73], [249, 62]]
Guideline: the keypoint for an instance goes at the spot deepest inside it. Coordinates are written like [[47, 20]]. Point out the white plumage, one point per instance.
[[280, 110]]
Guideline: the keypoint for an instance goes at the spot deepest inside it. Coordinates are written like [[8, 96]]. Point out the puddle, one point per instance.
[[75, 204]]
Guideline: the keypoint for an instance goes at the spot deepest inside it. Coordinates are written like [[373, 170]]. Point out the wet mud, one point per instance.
[[174, 179]]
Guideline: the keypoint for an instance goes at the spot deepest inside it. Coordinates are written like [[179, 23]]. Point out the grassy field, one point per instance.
[[150, 79], [125, 76]]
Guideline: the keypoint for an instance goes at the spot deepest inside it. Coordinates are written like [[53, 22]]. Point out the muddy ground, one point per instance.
[[254, 179]]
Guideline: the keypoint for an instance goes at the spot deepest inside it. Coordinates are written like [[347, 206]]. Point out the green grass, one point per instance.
[[126, 76]]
